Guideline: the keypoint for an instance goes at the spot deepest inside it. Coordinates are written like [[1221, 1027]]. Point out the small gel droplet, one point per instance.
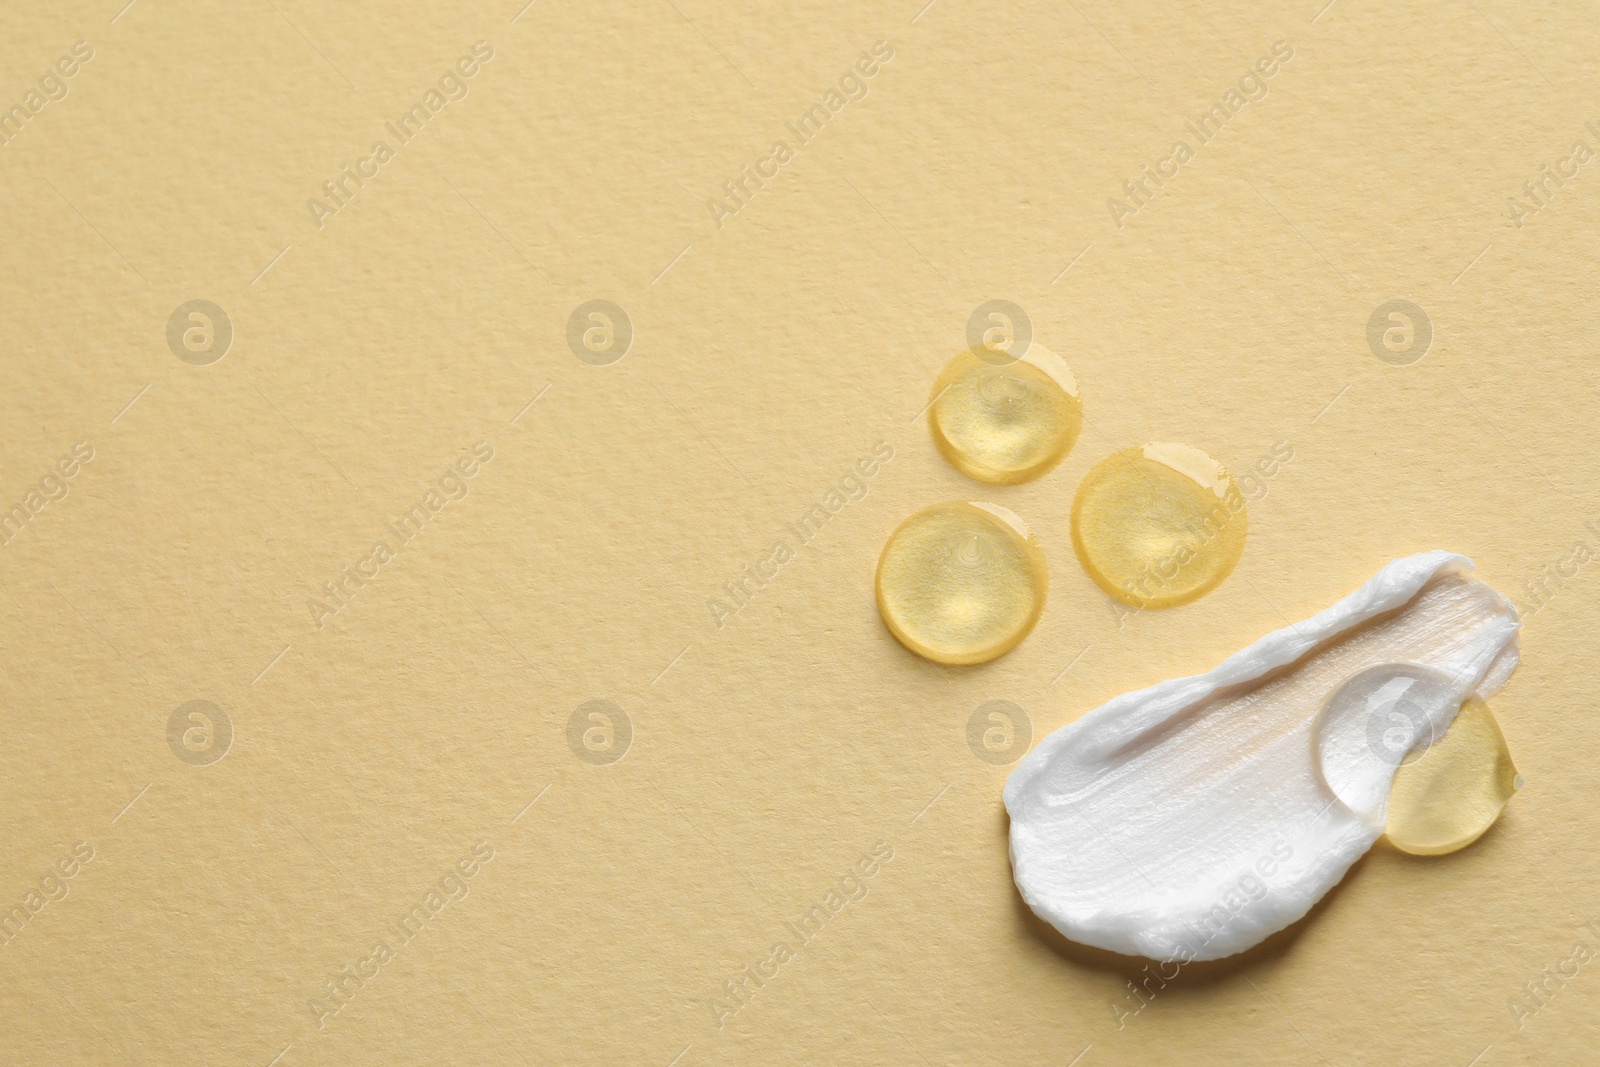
[[1005, 424], [1158, 525], [1455, 791], [961, 583], [1376, 721]]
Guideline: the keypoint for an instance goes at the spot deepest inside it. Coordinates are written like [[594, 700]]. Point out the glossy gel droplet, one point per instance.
[[1455, 791], [1378, 719], [1005, 424], [1158, 525], [961, 583]]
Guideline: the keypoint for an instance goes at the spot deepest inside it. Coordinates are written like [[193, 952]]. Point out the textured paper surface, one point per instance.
[[376, 341]]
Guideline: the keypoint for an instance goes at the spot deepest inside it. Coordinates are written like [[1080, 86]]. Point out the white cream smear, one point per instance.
[[1193, 819]]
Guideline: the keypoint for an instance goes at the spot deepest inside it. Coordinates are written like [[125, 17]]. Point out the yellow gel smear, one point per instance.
[[1158, 525], [961, 582], [1005, 424], [1447, 797]]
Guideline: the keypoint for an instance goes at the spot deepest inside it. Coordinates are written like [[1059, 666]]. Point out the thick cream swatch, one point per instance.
[[1192, 819]]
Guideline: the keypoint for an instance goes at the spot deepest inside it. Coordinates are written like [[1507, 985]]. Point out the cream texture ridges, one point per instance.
[[1193, 819]]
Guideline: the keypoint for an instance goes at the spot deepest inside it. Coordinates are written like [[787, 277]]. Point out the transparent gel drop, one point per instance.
[[1450, 794], [1376, 720], [1158, 525], [1005, 424], [961, 583]]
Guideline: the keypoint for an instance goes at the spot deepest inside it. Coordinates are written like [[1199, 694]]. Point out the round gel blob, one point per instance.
[[1158, 525], [961, 583], [1455, 790], [1005, 424], [1376, 719]]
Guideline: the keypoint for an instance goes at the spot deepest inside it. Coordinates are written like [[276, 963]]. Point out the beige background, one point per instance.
[[767, 755]]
